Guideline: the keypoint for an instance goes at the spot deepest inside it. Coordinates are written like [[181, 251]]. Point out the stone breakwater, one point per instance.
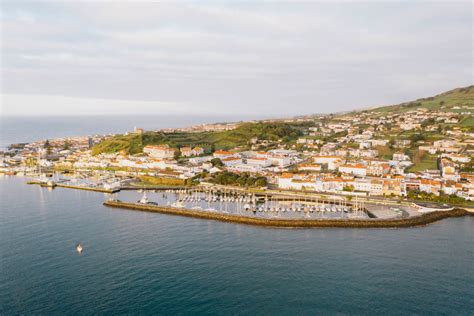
[[423, 219]]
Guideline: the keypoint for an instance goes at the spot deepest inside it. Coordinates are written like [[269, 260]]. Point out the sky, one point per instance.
[[229, 58]]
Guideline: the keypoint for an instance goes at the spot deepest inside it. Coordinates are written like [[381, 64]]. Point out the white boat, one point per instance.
[[79, 248], [178, 204], [144, 199]]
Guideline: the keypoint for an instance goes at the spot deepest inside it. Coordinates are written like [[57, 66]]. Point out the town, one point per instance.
[[413, 153]]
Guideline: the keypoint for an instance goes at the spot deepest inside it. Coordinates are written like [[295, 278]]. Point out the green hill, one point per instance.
[[456, 100], [241, 136], [459, 100]]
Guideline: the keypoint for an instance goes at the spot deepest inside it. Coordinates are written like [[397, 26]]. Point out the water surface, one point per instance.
[[136, 262], [17, 129]]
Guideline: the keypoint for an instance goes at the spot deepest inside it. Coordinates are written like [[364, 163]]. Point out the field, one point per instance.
[[456, 100], [468, 122], [423, 161]]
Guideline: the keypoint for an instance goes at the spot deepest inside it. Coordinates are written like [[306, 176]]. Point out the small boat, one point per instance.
[[144, 199], [178, 204], [79, 248]]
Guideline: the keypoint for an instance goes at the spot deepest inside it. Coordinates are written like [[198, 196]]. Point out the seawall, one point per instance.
[[423, 219]]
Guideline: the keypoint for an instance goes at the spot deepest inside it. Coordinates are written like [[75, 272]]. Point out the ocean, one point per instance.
[[30, 128], [146, 263]]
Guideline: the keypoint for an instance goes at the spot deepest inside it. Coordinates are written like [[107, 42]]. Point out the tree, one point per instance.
[[261, 182], [66, 145], [47, 146], [417, 137], [216, 162]]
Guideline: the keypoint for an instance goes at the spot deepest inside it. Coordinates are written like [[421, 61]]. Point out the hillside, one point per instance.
[[241, 136], [458, 100]]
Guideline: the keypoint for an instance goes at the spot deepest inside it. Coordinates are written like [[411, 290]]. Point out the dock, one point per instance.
[[77, 187]]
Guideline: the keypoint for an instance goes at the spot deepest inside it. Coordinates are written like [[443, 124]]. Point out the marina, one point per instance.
[[160, 253], [247, 204]]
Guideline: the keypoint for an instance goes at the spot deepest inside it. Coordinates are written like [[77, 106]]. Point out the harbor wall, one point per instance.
[[60, 185], [423, 219]]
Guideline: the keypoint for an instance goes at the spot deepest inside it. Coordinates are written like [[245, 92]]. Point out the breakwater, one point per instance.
[[420, 220], [76, 187]]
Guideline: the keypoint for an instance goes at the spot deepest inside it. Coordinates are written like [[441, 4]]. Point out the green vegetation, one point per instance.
[[423, 161], [161, 181], [243, 179], [47, 146], [133, 143], [386, 152], [130, 144], [66, 145], [216, 162], [468, 121], [444, 102], [443, 198]]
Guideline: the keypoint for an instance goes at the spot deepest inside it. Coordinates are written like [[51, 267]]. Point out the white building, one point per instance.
[[331, 161], [262, 162], [160, 151], [357, 170]]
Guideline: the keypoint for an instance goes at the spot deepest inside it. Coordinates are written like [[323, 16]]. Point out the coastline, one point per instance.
[[420, 220]]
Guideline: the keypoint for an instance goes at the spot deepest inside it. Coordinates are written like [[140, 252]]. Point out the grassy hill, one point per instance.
[[456, 100], [241, 136]]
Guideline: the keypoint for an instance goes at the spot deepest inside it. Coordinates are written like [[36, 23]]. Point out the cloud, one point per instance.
[[55, 105], [279, 58]]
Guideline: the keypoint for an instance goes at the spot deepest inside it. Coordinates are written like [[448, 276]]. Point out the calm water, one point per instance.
[[150, 263], [27, 129]]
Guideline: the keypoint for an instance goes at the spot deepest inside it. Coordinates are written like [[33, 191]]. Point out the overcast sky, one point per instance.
[[73, 57]]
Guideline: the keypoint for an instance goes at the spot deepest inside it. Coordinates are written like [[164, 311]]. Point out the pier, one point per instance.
[[420, 220]]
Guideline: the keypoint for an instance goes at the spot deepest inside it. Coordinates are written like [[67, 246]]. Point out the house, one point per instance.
[[159, 151], [430, 186], [399, 156], [280, 160], [188, 151], [244, 168], [357, 170], [331, 161], [371, 186], [222, 154], [309, 167], [231, 161], [379, 142], [332, 185], [198, 160], [409, 126], [285, 181], [457, 158], [451, 187], [448, 170], [378, 169], [198, 151], [262, 162], [392, 187]]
